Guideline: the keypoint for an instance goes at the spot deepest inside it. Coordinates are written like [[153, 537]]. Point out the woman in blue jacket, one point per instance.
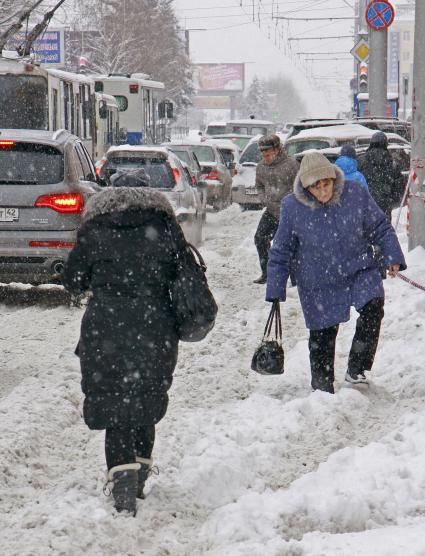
[[329, 226], [347, 161]]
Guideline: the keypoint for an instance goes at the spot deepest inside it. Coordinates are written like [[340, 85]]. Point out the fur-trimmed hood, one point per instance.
[[306, 198], [122, 199]]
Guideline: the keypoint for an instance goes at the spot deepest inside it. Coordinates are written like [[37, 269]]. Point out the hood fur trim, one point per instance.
[[304, 197], [121, 199]]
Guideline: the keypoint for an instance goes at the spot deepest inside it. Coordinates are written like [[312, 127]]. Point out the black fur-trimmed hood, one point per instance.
[[304, 197], [122, 199]]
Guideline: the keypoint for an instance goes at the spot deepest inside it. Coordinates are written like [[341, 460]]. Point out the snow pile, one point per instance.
[[249, 465]]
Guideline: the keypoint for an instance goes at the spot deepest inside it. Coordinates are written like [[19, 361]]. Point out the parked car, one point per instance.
[[214, 172], [250, 126], [45, 179], [229, 151], [166, 175], [388, 125], [310, 123], [240, 140], [244, 191]]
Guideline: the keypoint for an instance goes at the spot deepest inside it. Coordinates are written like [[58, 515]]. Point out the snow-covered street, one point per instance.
[[248, 464]]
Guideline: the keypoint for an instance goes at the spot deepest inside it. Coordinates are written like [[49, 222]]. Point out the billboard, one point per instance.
[[218, 78], [393, 60], [49, 47], [212, 103]]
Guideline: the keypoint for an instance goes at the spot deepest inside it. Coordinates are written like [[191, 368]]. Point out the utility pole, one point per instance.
[[378, 44], [417, 189]]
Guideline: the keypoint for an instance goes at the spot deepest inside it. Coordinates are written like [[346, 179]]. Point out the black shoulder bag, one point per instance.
[[269, 357], [193, 304]]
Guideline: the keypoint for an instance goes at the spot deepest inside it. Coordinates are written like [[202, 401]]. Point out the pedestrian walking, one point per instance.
[[126, 255], [347, 161], [329, 225], [274, 178], [382, 174]]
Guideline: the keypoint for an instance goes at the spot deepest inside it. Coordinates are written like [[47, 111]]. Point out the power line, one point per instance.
[[320, 38]]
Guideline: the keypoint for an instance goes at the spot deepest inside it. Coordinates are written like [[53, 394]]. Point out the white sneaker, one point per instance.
[[356, 379]]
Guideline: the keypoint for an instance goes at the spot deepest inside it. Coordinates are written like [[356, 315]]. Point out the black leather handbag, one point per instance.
[[269, 357], [193, 304]]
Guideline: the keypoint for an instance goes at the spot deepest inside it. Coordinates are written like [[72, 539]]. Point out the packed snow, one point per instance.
[[248, 465]]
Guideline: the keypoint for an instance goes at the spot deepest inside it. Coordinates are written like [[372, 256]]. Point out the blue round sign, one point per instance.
[[379, 15]]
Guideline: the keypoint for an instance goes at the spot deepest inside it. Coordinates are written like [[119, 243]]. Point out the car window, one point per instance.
[[156, 166], [216, 130], [30, 164], [300, 146], [241, 130], [84, 168], [89, 160], [183, 155], [197, 165], [204, 153], [258, 131], [251, 154], [227, 155]]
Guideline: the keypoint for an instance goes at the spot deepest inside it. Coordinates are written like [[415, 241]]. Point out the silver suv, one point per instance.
[[45, 179]]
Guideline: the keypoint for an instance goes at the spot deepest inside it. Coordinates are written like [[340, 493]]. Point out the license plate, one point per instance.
[[8, 214], [251, 191]]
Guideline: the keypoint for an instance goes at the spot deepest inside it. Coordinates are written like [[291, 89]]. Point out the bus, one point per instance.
[[34, 97], [144, 112], [108, 130]]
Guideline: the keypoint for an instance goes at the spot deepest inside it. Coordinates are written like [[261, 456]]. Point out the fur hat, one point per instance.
[[314, 167], [269, 142]]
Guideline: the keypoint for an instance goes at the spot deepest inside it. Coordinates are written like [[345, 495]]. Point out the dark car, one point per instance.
[[310, 123], [387, 125], [45, 179]]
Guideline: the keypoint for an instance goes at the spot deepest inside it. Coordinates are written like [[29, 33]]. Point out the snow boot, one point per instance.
[[122, 482], [143, 473], [359, 378], [261, 279]]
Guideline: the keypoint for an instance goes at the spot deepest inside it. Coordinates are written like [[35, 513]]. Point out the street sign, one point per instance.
[[379, 15], [360, 51]]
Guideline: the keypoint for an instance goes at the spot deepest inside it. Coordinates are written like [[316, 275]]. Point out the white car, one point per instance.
[[167, 175], [244, 191]]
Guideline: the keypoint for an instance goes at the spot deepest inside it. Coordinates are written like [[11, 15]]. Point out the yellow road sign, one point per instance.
[[360, 51]]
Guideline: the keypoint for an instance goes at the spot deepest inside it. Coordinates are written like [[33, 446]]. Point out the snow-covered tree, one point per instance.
[[256, 101], [129, 36]]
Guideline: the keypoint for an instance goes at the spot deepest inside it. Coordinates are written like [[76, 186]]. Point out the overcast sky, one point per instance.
[[232, 36]]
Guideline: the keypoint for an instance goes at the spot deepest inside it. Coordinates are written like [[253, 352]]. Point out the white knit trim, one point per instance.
[[123, 467], [146, 461]]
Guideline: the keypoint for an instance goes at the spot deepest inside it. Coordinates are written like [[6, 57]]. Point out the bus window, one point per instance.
[[122, 102], [24, 102]]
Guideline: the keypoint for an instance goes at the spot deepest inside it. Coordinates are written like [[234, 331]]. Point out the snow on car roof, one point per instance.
[[138, 148], [222, 144], [220, 123], [334, 132], [253, 122]]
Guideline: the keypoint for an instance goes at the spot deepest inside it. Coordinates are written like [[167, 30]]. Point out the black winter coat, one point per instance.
[[383, 177], [128, 343]]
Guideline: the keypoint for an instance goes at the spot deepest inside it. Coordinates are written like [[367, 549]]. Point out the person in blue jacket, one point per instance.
[[347, 161], [329, 224]]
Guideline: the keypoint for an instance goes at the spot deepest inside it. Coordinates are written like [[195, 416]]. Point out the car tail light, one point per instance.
[[176, 174], [7, 144], [213, 175], [194, 181], [54, 244], [62, 202], [99, 167]]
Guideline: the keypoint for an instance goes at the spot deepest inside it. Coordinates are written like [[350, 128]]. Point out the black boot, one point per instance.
[[143, 474], [123, 481], [261, 280]]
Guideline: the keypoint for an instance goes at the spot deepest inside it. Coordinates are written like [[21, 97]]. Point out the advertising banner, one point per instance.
[[212, 103], [393, 59], [49, 48], [210, 78]]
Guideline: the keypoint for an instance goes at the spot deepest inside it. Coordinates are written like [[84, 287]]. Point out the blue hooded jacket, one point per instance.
[[331, 244], [349, 166]]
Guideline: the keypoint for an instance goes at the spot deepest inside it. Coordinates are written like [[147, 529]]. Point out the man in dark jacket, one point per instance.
[[382, 174], [128, 342], [274, 179]]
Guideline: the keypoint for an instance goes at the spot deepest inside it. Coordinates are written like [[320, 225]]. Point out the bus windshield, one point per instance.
[[23, 102]]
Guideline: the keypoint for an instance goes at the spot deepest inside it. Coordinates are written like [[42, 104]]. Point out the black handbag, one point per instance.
[[193, 304], [269, 357]]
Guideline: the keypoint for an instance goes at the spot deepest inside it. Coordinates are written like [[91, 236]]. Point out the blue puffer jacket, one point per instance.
[[332, 247], [350, 168]]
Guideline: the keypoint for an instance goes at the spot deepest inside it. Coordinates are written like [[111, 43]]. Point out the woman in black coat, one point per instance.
[[128, 345], [382, 174]]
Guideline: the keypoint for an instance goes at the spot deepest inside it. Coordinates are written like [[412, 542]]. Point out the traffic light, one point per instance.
[[363, 71]]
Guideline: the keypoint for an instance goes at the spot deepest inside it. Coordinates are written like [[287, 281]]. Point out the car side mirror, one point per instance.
[[202, 184], [103, 110]]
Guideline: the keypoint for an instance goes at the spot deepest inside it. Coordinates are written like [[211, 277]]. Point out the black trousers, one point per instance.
[[123, 444], [266, 230], [363, 348]]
